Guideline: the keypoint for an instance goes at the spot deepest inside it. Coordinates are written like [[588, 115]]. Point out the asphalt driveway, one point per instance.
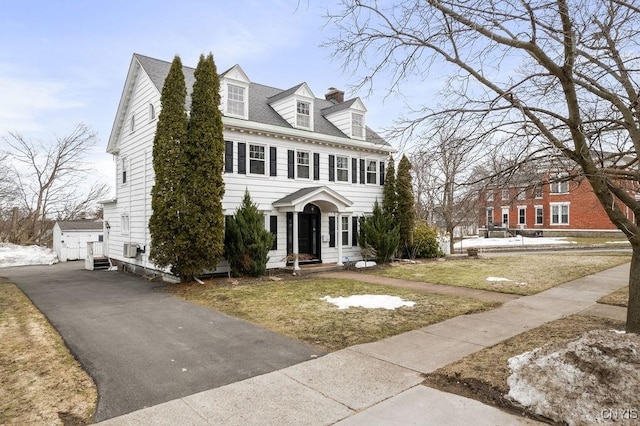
[[143, 346]]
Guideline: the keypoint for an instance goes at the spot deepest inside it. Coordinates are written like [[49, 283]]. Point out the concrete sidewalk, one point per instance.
[[380, 383]]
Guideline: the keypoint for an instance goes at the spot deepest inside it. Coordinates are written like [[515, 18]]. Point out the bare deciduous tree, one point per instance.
[[553, 79], [449, 155], [48, 178]]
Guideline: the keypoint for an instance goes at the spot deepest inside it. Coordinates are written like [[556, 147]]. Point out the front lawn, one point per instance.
[[523, 274], [40, 381], [295, 308]]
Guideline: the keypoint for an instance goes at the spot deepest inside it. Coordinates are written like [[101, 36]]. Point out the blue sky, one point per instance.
[[65, 62]]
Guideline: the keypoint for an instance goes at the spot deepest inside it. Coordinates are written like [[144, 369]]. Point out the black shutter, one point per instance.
[[273, 227], [291, 167], [273, 161], [354, 231], [361, 171], [332, 231], [332, 168], [242, 158], [354, 170], [316, 166], [382, 173], [228, 157]]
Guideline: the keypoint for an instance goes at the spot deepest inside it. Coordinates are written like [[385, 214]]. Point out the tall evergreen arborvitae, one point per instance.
[[166, 196], [406, 212], [201, 241], [390, 200], [247, 242]]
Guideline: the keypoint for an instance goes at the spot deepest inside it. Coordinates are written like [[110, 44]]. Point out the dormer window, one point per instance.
[[235, 100], [357, 125], [303, 116]]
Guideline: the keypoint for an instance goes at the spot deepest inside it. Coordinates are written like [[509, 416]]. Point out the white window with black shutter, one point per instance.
[[382, 173], [302, 165], [342, 168], [345, 231], [362, 171], [257, 159], [372, 171]]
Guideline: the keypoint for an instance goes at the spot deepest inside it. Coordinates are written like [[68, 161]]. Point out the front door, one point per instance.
[[308, 234]]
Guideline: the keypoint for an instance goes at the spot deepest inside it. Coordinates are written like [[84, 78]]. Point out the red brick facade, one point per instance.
[[545, 208]]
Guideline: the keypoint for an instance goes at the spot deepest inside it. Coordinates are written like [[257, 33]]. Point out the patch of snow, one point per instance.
[[15, 255], [368, 301], [497, 279], [363, 264], [510, 242], [588, 380]]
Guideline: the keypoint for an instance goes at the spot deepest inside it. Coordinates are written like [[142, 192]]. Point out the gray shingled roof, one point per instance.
[[297, 194], [259, 97], [80, 225], [338, 107]]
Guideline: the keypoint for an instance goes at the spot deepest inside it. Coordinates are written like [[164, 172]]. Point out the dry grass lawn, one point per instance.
[[617, 298], [483, 375], [41, 382], [295, 308], [526, 274]]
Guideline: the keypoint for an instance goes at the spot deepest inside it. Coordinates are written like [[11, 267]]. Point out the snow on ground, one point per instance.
[[497, 279], [594, 379], [510, 242], [368, 301], [15, 255]]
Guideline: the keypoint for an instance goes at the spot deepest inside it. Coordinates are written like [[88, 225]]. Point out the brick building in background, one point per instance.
[[547, 205]]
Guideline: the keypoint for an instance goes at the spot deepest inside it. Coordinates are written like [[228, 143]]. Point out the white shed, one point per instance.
[[70, 238]]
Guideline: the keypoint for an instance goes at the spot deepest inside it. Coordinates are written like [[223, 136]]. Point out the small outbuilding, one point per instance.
[[70, 238]]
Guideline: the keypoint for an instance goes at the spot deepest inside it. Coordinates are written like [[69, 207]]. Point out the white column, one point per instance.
[[296, 265], [339, 239]]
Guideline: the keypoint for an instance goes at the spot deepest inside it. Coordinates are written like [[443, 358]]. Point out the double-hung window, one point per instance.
[[302, 164], [345, 231], [342, 169], [522, 215], [256, 159], [357, 125], [372, 175], [539, 215], [235, 100], [560, 214], [505, 194], [303, 115], [559, 187]]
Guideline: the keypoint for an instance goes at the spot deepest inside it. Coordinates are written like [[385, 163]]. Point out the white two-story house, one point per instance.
[[311, 164]]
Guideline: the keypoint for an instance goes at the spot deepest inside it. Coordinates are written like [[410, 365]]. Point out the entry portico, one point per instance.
[[304, 207]]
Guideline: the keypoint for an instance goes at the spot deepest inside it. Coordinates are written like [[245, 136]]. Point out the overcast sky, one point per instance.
[[65, 62]]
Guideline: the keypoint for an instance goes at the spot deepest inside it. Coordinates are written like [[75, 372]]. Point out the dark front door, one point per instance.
[[308, 234]]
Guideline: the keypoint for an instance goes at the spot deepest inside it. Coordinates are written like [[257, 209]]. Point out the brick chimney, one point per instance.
[[334, 96]]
